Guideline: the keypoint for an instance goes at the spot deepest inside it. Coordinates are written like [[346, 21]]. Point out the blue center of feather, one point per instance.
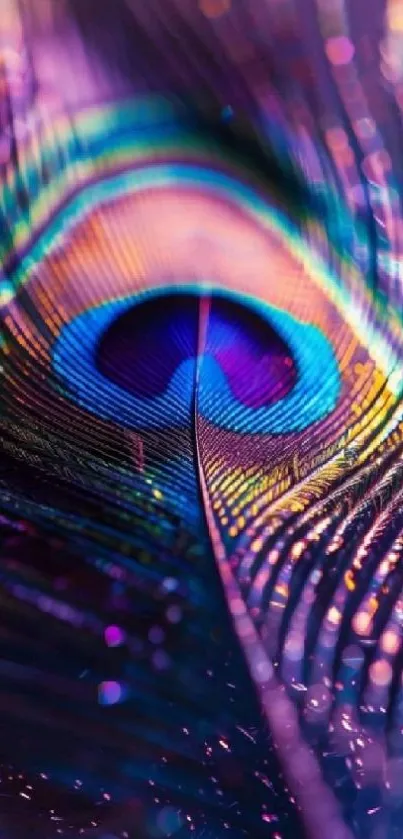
[[143, 348], [142, 361]]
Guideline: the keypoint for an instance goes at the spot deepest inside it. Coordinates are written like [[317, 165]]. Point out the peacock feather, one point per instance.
[[201, 419]]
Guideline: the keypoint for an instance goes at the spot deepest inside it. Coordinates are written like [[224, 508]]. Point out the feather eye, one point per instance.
[[189, 387]]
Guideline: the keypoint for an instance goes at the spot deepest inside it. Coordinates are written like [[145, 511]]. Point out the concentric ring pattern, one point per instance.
[[201, 427]]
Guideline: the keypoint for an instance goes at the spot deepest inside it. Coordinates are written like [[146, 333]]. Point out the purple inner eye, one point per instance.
[[143, 347]]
